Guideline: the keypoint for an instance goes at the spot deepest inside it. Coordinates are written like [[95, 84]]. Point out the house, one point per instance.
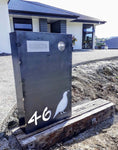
[[4, 27], [112, 43], [37, 17]]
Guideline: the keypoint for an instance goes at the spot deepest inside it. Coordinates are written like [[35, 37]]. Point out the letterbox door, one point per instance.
[[42, 68]]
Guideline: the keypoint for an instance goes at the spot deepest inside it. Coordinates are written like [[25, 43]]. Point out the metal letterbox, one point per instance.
[[42, 69]]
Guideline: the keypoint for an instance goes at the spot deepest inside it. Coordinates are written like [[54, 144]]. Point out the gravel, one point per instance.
[[7, 89]]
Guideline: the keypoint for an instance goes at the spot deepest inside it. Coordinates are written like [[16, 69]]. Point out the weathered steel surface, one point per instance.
[[17, 75], [43, 77], [83, 117]]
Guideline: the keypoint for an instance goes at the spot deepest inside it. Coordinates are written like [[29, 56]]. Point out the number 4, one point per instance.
[[34, 118]]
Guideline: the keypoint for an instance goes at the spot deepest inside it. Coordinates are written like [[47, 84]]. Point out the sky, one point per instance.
[[106, 10]]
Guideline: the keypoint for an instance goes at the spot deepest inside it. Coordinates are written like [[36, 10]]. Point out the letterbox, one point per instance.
[[42, 69]]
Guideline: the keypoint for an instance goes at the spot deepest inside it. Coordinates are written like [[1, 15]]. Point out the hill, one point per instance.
[[112, 43]]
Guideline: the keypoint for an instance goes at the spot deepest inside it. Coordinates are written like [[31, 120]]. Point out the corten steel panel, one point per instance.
[[43, 79]]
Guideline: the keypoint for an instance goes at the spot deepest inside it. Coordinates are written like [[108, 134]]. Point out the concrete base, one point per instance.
[[83, 117]]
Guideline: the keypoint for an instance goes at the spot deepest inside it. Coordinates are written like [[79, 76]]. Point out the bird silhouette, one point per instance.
[[62, 104]]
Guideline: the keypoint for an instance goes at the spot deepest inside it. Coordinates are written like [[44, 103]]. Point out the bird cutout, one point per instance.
[[62, 104]]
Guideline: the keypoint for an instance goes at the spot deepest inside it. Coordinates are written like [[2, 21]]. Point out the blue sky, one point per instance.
[[102, 9]]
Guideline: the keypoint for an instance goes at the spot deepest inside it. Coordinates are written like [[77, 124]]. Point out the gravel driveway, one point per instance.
[[7, 88], [82, 57]]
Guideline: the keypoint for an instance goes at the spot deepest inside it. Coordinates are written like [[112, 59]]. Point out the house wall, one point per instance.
[[11, 24], [63, 26], [4, 28], [43, 25], [76, 30], [35, 24], [40, 25], [49, 28]]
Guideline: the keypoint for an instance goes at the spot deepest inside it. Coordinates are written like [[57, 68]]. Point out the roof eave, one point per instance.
[[89, 21], [16, 12]]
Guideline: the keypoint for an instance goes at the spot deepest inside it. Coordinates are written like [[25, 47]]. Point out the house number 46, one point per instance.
[[46, 115]]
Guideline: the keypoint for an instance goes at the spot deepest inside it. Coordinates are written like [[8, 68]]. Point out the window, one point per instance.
[[88, 31], [22, 24]]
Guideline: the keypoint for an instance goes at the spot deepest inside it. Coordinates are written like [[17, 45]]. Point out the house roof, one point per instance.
[[83, 18], [21, 7], [36, 8]]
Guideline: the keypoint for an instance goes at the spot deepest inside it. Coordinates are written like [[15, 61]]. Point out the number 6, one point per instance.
[[48, 113]]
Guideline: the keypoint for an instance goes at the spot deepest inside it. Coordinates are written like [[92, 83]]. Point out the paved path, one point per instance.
[[82, 57]]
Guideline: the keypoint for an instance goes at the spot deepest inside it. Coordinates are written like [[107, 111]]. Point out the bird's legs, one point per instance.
[[63, 112]]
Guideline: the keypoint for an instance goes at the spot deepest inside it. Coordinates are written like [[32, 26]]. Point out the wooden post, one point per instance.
[[83, 117]]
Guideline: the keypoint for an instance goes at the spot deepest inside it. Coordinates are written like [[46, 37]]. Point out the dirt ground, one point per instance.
[[89, 81], [95, 80]]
